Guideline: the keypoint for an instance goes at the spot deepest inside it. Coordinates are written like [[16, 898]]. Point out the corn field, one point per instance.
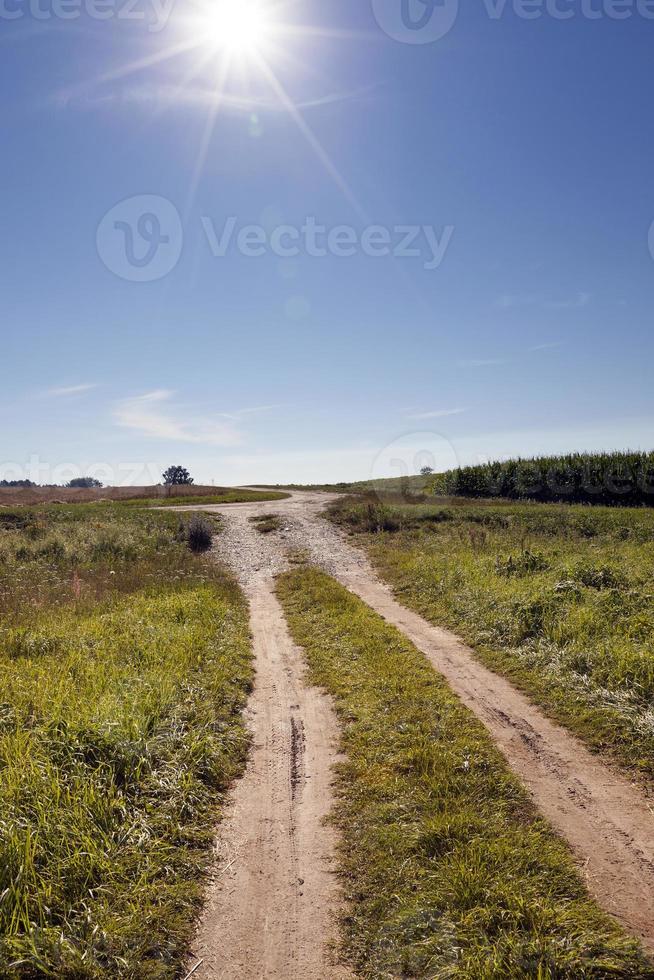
[[617, 478]]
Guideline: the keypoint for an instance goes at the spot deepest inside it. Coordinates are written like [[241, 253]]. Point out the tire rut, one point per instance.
[[271, 907]]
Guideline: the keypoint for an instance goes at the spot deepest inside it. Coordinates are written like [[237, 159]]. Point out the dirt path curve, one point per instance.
[[270, 909], [608, 821]]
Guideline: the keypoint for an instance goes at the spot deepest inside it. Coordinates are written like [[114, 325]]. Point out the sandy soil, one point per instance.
[[608, 821]]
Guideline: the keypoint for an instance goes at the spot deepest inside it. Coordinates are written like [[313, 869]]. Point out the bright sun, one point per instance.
[[235, 26]]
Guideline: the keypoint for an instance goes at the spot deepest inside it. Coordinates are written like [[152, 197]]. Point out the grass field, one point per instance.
[[559, 598], [224, 497], [410, 485], [124, 666], [139, 496], [447, 870]]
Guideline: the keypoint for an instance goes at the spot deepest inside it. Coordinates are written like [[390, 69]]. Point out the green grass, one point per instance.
[[124, 666], [267, 523], [409, 485], [559, 598], [224, 497], [53, 555], [447, 869]]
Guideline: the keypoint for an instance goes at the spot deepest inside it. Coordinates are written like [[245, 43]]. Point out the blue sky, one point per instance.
[[515, 153]]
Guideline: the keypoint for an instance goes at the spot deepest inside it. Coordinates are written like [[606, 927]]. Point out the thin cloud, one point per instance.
[[196, 96], [510, 301], [244, 412], [440, 413], [577, 302], [476, 362], [554, 345], [155, 416], [66, 392]]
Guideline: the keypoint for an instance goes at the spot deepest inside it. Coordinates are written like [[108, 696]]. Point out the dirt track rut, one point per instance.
[[271, 904], [608, 821]]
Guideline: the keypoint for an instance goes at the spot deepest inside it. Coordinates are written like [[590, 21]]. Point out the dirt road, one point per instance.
[[270, 912], [608, 822]]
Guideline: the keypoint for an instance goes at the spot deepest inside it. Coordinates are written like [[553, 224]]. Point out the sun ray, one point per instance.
[[194, 71], [311, 138], [206, 137], [239, 34], [148, 62]]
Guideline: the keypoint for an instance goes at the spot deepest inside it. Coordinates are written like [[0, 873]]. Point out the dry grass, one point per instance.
[[30, 496], [267, 523]]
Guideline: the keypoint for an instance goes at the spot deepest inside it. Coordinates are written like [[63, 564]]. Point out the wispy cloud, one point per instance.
[[440, 413], [244, 412], [189, 97], [66, 392], [554, 345], [509, 301], [577, 302], [156, 416], [475, 362]]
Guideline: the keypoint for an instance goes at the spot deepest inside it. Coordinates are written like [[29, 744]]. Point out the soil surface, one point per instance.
[[271, 908]]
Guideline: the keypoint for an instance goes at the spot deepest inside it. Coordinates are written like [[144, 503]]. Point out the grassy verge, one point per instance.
[[447, 870], [124, 667], [225, 497], [405, 485], [558, 598]]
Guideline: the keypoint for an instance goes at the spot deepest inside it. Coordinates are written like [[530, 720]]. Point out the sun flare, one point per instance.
[[238, 27]]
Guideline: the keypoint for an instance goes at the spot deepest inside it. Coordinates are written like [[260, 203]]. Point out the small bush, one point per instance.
[[10, 521], [267, 523], [599, 576], [526, 563], [106, 549], [199, 535]]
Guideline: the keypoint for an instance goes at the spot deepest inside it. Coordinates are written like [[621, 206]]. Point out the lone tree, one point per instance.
[[177, 476], [84, 483], [426, 471]]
